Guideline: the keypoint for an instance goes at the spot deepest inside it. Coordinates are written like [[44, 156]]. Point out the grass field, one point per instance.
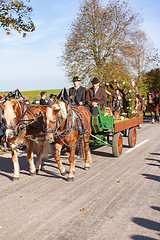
[[36, 94]]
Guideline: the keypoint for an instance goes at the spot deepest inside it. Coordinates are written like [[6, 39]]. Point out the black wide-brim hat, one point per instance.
[[95, 80], [76, 78]]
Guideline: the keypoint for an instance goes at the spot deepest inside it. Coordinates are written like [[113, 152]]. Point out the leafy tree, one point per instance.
[[99, 40], [141, 57], [16, 15], [152, 79]]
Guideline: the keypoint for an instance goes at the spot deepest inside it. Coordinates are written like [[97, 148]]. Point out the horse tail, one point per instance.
[[47, 150], [81, 151], [42, 148]]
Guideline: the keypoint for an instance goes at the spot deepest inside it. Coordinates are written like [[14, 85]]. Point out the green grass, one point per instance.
[[36, 94]]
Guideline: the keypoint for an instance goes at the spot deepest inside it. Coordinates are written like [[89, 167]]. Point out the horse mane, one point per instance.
[[61, 106], [9, 114], [58, 108]]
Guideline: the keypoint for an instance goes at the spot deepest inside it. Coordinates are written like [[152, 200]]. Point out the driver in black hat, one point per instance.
[[77, 93], [95, 96]]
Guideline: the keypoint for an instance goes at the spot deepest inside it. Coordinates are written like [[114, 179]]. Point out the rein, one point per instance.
[[70, 126], [20, 127]]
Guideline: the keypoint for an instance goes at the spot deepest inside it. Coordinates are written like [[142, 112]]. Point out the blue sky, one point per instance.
[[31, 63]]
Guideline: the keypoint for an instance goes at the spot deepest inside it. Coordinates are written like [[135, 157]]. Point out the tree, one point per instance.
[[16, 15], [140, 57], [98, 39], [152, 79]]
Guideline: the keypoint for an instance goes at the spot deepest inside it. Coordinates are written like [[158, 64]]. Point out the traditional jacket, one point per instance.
[[100, 97], [78, 95]]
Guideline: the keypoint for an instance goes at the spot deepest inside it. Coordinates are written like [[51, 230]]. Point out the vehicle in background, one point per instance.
[[36, 101]]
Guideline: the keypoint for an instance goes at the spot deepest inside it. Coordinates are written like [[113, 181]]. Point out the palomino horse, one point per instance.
[[66, 126], [153, 105], [24, 126]]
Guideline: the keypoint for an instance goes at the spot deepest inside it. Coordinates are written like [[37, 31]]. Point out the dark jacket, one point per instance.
[[78, 95], [100, 98], [43, 102]]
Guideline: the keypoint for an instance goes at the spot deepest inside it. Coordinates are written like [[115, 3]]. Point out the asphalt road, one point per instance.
[[118, 198]]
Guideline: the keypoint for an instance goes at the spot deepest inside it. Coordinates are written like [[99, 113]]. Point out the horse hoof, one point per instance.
[[33, 174], [14, 179], [87, 167], [70, 179], [63, 173]]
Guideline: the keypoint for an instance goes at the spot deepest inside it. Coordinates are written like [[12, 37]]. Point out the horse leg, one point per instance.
[[87, 153], [157, 115], [15, 165], [39, 150], [152, 118], [58, 148], [30, 159], [72, 163]]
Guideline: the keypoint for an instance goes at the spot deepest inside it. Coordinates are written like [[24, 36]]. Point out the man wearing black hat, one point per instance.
[[95, 96], [77, 93], [51, 100]]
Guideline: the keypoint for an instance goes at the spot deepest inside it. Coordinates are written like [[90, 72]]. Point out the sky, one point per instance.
[[32, 63]]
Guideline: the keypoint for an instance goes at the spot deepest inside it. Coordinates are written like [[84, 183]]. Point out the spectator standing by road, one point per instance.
[[43, 100]]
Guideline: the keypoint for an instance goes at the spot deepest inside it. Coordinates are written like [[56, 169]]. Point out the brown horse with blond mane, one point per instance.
[[24, 125], [67, 126]]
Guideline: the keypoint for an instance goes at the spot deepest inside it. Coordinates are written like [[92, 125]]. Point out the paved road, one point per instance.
[[118, 198]]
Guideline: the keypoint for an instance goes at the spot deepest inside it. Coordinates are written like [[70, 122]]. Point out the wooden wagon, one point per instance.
[[105, 127]]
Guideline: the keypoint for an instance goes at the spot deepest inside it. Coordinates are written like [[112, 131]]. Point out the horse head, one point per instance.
[[152, 98], [12, 114], [55, 116]]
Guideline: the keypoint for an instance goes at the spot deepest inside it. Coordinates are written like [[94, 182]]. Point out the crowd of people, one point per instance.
[[79, 96]]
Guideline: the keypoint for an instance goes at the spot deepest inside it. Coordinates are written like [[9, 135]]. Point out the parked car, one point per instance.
[[36, 101], [27, 101]]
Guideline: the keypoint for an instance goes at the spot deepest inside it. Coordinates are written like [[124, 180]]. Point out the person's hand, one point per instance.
[[80, 103]]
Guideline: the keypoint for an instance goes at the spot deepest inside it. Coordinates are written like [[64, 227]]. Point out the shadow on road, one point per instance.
[[139, 237], [153, 160], [152, 177], [158, 154], [156, 208], [145, 223]]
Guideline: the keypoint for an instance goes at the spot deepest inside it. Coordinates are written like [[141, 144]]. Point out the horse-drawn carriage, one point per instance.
[[65, 125]]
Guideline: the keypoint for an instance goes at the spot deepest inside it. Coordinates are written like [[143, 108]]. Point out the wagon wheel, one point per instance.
[[117, 144], [132, 136]]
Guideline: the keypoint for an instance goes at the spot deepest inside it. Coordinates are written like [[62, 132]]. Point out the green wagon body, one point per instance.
[[104, 127]]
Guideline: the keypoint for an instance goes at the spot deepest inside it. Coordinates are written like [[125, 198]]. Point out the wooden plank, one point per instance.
[[123, 125]]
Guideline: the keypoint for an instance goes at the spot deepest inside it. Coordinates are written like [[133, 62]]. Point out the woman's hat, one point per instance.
[[76, 78], [95, 80]]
